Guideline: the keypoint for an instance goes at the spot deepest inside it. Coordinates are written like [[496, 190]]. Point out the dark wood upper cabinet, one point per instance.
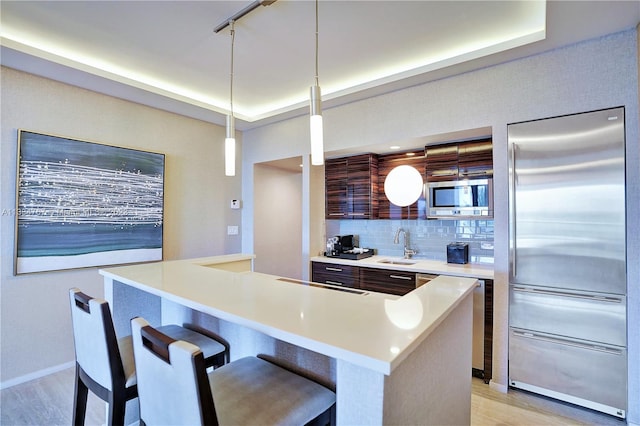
[[351, 185], [335, 178], [460, 160], [475, 159], [388, 162], [442, 162], [354, 185], [362, 186]]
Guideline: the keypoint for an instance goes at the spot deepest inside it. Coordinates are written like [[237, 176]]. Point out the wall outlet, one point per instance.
[[235, 204], [232, 230]]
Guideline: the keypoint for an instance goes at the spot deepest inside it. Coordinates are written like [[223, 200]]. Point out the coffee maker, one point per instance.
[[346, 247], [339, 244]]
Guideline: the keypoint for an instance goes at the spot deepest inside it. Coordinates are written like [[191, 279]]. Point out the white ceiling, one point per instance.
[[165, 53]]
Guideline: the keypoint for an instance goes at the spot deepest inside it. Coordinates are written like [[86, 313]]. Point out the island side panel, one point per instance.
[[432, 386], [359, 395], [127, 302], [244, 341]]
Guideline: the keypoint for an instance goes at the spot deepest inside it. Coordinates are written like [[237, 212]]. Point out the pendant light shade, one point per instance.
[[315, 125], [315, 122], [230, 148]]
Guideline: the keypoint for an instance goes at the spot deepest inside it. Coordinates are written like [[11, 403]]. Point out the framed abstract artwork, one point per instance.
[[83, 204]]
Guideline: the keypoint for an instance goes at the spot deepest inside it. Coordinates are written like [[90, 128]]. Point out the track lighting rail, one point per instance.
[[241, 13]]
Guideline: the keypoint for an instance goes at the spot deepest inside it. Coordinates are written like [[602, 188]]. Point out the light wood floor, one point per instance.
[[490, 407], [49, 401]]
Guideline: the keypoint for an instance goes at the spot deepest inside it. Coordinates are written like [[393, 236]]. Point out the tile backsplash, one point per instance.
[[428, 237]]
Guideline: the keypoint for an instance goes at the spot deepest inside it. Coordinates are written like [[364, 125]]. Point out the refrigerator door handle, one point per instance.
[[512, 210], [608, 299], [558, 341]]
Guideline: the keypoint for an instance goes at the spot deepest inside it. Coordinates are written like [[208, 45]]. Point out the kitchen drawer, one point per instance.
[[600, 318], [387, 281], [581, 372], [588, 266], [331, 273]]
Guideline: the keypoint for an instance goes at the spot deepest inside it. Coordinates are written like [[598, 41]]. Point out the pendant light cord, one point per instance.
[[233, 36], [317, 84]]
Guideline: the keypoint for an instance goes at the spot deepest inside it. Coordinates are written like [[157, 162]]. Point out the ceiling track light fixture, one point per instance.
[[230, 139], [246, 10], [315, 121]]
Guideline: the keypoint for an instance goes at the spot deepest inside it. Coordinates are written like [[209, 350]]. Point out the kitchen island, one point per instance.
[[391, 359]]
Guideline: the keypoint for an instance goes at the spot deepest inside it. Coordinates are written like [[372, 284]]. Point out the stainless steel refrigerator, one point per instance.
[[567, 289]]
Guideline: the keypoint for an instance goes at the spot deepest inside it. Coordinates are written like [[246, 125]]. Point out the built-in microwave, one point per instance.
[[460, 199]]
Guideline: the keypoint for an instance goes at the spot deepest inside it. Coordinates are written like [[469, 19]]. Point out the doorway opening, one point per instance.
[[278, 217]]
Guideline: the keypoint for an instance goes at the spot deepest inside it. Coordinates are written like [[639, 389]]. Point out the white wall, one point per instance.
[[278, 221], [35, 319], [591, 75]]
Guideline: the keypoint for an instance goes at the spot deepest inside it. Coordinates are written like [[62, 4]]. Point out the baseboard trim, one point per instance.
[[35, 375], [498, 387]]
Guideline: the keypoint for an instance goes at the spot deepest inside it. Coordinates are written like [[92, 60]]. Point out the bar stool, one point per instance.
[[105, 364], [174, 387]]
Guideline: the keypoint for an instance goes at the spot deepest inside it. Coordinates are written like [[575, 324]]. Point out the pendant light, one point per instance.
[[403, 185], [315, 123], [230, 140]]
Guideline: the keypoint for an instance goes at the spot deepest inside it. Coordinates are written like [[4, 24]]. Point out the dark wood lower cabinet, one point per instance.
[[488, 330], [387, 281], [369, 279], [335, 274]]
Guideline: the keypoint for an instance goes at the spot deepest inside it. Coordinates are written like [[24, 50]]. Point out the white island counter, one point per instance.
[[392, 359]]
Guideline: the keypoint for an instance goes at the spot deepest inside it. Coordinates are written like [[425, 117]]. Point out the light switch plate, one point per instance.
[[232, 230], [235, 204]]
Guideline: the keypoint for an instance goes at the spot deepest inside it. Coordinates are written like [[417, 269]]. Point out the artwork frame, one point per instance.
[[83, 204]]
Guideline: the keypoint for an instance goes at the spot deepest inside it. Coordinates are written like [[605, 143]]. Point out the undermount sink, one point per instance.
[[397, 262]]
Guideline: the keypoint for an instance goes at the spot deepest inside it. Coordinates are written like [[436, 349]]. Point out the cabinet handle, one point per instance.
[[476, 173], [598, 348], [336, 214], [512, 214], [446, 173], [333, 282], [568, 294], [327, 268], [400, 277]]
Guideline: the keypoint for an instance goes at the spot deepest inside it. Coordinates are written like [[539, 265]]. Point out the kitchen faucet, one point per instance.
[[396, 240]]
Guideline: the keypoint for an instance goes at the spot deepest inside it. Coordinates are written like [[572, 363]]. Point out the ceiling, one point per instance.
[[165, 53]]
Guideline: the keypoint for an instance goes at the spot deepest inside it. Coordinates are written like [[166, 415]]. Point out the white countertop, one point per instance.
[[374, 330], [471, 270]]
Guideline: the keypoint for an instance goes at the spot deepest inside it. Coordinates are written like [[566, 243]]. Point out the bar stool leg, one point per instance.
[[79, 400], [117, 404]]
